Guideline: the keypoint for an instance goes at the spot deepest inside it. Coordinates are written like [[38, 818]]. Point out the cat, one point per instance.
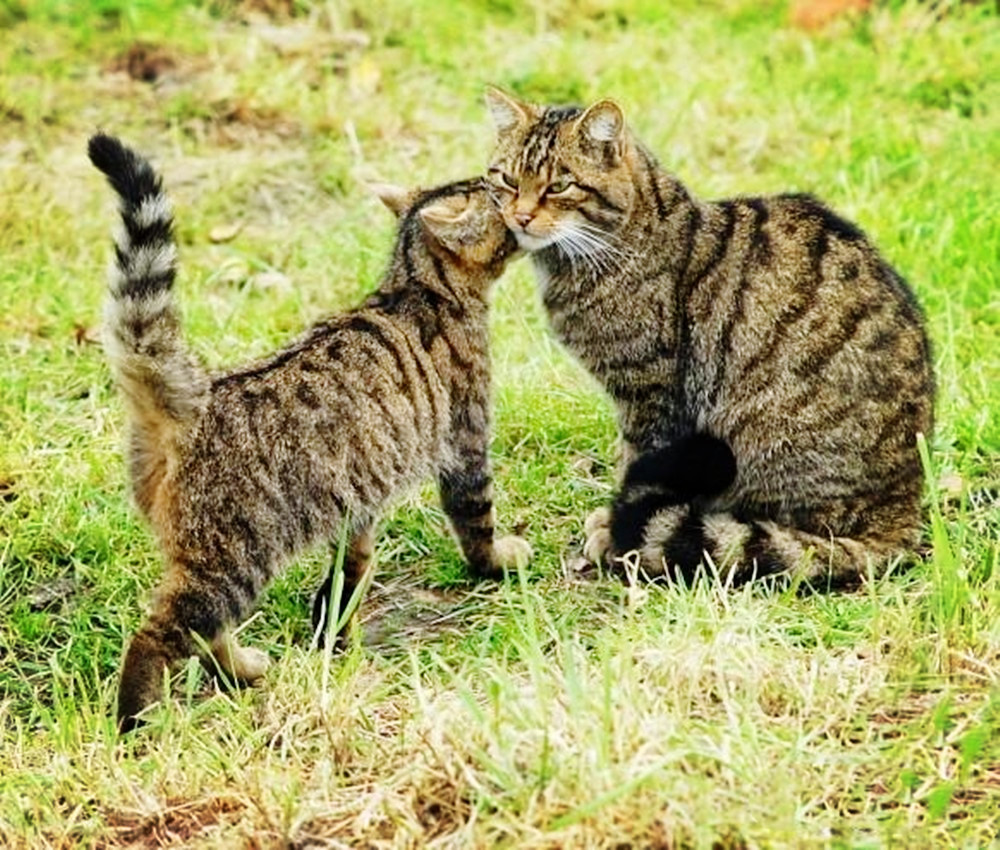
[[236, 472], [770, 370]]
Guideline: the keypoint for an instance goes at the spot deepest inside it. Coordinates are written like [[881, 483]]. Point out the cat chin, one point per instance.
[[533, 243]]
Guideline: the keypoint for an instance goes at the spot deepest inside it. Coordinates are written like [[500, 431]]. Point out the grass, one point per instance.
[[553, 710]]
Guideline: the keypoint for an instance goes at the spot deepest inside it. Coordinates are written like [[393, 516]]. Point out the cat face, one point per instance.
[[560, 174], [460, 218]]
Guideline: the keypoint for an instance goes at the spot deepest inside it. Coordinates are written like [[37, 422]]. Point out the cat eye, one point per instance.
[[557, 187], [505, 180]]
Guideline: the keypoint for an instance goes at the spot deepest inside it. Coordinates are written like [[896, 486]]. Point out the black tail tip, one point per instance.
[[107, 153], [129, 174]]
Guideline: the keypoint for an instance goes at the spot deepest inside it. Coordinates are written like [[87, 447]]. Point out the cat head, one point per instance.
[[459, 222], [561, 174]]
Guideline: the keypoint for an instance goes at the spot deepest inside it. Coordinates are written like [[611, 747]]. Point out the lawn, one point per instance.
[[559, 708]]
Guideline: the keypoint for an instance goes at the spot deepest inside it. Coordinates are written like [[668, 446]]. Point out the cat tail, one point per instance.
[[164, 386], [673, 530], [678, 541]]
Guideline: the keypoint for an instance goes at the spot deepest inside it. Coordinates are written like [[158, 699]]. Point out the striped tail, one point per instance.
[[678, 541], [164, 386], [676, 532]]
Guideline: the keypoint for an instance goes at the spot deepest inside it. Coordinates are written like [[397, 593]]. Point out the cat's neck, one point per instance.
[[421, 274], [662, 201]]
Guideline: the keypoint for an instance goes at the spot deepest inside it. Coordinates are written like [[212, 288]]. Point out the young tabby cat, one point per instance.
[[237, 472], [770, 369]]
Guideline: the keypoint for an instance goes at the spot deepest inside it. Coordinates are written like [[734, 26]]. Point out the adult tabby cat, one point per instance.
[[238, 471], [770, 369]]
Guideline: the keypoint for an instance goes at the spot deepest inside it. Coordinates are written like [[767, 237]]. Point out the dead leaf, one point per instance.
[[951, 484], [225, 232], [584, 465], [234, 272], [47, 595], [816, 14], [288, 39], [365, 77]]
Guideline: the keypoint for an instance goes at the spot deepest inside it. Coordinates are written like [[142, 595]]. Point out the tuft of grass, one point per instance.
[[556, 708]]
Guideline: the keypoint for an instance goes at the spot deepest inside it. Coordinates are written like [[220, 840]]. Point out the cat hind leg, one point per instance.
[[244, 663], [184, 607], [358, 561]]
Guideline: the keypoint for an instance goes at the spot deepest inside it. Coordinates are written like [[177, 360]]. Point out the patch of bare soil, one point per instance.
[[908, 721], [424, 812], [8, 490], [177, 824], [400, 609], [272, 8], [233, 120]]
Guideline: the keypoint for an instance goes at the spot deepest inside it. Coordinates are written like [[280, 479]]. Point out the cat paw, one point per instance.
[[241, 662], [250, 664], [596, 519], [597, 534], [511, 552]]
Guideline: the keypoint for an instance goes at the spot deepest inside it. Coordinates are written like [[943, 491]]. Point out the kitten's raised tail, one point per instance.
[[163, 384]]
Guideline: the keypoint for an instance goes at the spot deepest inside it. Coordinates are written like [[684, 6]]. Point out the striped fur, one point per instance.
[[238, 472], [766, 325]]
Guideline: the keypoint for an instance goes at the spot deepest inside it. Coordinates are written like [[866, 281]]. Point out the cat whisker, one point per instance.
[[595, 240], [590, 246], [588, 227]]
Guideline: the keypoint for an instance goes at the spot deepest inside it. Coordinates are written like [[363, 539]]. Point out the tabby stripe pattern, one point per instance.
[[768, 324], [238, 472]]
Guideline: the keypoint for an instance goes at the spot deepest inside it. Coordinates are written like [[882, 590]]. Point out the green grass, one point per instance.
[[554, 710]]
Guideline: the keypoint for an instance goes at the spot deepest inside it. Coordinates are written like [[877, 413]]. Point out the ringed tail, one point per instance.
[[164, 386], [673, 529], [677, 538]]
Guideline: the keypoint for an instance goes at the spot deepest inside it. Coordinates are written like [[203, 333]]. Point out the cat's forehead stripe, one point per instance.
[[542, 136]]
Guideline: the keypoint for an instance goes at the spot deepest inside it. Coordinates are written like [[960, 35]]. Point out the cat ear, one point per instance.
[[443, 214], [507, 111], [603, 122], [446, 222], [394, 197]]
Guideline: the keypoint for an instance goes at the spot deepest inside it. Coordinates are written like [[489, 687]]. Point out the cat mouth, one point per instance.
[[530, 242]]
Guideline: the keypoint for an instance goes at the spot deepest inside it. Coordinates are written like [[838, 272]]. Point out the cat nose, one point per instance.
[[523, 218]]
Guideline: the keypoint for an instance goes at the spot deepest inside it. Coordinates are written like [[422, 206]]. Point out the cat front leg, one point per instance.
[[597, 525], [597, 535], [467, 498]]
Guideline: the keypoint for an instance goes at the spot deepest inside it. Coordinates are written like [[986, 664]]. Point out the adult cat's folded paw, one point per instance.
[[597, 535]]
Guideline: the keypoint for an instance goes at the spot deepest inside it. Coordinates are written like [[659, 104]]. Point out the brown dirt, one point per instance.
[[175, 825], [144, 61]]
